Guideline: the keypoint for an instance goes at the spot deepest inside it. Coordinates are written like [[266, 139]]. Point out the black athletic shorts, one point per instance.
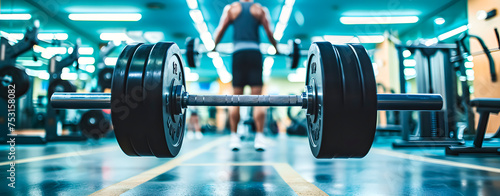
[[247, 68]]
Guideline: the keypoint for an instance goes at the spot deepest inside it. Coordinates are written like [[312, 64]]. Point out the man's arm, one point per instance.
[[225, 20], [265, 21]]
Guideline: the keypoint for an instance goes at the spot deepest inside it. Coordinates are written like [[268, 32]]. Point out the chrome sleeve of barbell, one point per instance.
[[409, 102], [243, 100], [81, 100]]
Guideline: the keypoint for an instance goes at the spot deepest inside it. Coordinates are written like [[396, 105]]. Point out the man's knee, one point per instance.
[[259, 112]]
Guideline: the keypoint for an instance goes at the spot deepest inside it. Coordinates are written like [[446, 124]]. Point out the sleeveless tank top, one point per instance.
[[246, 29]]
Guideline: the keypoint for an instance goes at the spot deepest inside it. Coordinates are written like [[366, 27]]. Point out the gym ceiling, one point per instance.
[[171, 21]]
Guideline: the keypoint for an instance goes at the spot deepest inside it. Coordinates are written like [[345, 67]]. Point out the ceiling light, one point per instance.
[[52, 36], [406, 53], [196, 15], [218, 62], [271, 50], [192, 4], [439, 21], [410, 71], [207, 40], [201, 27], [56, 50], [268, 63], [86, 60], [338, 39], [371, 38], [69, 76], [154, 36], [114, 36], [86, 50], [90, 68], [15, 16], [431, 41], [317, 39], [192, 77], [15, 36], [409, 63], [44, 75], [278, 31], [105, 17], [110, 60], [379, 20], [212, 54], [452, 32], [285, 13]]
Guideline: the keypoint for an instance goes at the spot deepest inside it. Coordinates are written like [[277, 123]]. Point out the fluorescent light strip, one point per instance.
[[106, 17], [85, 50], [51, 36], [371, 38], [452, 32], [430, 42], [286, 11], [115, 37], [338, 39], [342, 39], [15, 16], [192, 4], [90, 68], [69, 76], [196, 15], [110, 60], [379, 20], [86, 60], [13, 36]]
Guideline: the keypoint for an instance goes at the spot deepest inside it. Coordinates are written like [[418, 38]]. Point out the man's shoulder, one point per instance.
[[258, 5], [235, 4]]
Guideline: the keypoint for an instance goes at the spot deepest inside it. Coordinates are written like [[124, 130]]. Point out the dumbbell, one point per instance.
[[148, 100], [95, 124], [193, 53], [13, 77]]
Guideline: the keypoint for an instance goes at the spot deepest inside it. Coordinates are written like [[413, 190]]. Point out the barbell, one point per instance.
[[148, 100], [194, 53]]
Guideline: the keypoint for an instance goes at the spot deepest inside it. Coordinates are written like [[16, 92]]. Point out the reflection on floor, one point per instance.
[[208, 167]]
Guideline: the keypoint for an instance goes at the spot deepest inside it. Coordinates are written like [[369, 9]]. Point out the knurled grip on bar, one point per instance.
[[243, 100]]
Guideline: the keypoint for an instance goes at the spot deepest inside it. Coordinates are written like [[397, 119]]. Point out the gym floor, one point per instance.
[[209, 167]]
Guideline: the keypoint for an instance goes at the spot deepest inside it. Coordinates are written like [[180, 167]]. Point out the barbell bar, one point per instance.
[[384, 101], [148, 100]]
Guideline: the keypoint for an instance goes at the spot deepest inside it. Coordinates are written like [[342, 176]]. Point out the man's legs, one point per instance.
[[234, 119], [259, 114]]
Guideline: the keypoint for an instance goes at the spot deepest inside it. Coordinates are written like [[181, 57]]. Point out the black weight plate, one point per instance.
[[59, 85], [95, 124], [104, 78], [15, 76], [325, 78], [354, 120], [369, 105], [192, 54], [349, 125], [163, 72], [295, 53], [120, 106], [136, 121]]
